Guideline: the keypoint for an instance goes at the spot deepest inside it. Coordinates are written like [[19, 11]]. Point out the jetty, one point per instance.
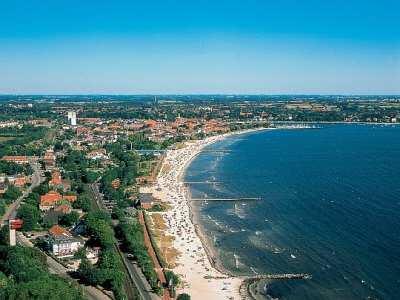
[[227, 199], [282, 276], [216, 151], [202, 182]]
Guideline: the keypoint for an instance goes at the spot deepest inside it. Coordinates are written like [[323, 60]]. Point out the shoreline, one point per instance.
[[197, 264]]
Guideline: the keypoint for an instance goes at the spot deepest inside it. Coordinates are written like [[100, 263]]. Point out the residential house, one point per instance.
[[97, 154], [49, 159], [70, 198], [63, 208], [52, 198], [55, 178], [57, 182], [20, 181], [49, 200], [116, 183], [62, 243]]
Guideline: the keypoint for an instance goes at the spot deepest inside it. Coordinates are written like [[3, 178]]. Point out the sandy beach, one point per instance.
[[201, 279]]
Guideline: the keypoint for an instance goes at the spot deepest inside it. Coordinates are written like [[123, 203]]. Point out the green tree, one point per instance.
[[99, 228], [89, 176], [2, 207], [69, 219], [83, 202], [81, 253], [41, 189], [88, 273], [33, 199], [10, 168], [183, 297], [11, 194], [172, 277], [28, 277], [30, 215], [4, 235]]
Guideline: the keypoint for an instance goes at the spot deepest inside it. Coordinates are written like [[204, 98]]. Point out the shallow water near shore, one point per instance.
[[329, 207]]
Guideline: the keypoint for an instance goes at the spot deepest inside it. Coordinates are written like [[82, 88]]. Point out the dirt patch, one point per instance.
[[165, 168], [6, 138], [164, 241]]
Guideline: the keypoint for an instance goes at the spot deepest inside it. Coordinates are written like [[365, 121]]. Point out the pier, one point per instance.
[[202, 182], [216, 151], [227, 199], [283, 276]]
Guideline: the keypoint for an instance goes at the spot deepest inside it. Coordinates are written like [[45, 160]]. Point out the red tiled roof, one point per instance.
[[70, 198], [20, 181], [116, 183], [50, 198], [57, 230], [64, 208], [56, 178], [17, 158]]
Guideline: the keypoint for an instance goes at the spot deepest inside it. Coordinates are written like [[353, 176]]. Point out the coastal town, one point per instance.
[[92, 200]]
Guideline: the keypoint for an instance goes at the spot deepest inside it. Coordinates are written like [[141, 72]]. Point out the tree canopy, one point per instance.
[[24, 275]]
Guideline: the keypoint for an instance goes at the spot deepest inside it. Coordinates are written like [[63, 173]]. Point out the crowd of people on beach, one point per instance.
[[200, 279]]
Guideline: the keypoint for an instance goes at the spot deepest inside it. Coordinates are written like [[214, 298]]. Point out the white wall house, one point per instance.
[[62, 243]]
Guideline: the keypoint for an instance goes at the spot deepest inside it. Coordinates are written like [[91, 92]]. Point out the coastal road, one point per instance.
[[55, 267], [11, 211], [135, 274]]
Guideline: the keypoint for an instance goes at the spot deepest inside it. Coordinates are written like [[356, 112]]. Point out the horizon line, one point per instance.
[[201, 94]]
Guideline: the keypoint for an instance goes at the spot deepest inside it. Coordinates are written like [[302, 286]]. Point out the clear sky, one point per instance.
[[213, 46]]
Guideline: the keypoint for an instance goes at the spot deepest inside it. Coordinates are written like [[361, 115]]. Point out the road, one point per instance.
[[136, 276], [55, 267], [11, 211]]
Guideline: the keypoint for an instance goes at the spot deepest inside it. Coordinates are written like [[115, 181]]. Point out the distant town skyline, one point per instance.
[[199, 47]]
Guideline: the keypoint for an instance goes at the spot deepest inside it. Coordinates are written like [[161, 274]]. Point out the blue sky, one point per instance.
[[131, 47]]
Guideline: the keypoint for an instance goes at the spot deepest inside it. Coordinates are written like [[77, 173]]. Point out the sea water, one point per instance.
[[330, 202]]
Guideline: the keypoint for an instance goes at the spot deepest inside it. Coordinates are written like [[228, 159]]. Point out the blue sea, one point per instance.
[[330, 202]]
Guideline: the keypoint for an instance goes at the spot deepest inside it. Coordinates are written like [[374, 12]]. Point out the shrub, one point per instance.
[[183, 297]]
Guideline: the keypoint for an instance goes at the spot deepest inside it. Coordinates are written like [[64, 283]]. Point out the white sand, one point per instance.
[[192, 264]]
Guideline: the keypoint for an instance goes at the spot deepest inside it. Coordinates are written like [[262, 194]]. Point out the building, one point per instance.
[[70, 198], [56, 181], [49, 159], [49, 200], [146, 200], [116, 183], [19, 159], [72, 118], [89, 120], [20, 181], [151, 123], [8, 124], [53, 198], [55, 178], [63, 208], [62, 243], [97, 154]]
